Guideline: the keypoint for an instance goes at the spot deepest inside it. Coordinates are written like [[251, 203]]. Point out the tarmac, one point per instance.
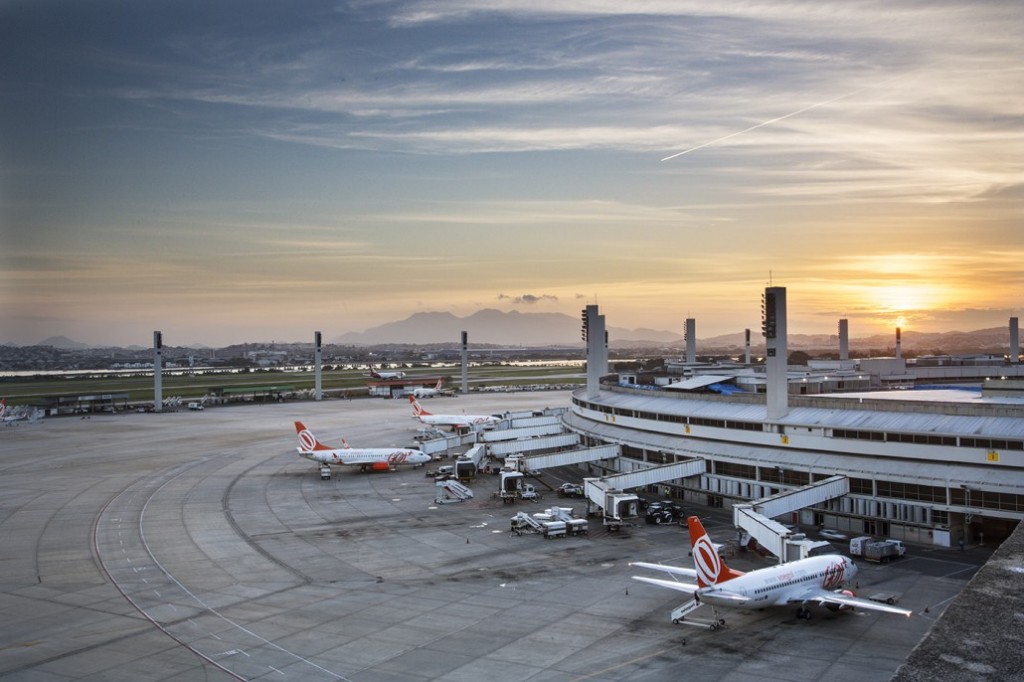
[[200, 546]]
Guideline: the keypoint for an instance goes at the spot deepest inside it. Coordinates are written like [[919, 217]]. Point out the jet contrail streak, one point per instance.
[[762, 124]]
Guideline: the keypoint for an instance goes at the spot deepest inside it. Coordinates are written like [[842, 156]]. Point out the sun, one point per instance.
[[903, 298]]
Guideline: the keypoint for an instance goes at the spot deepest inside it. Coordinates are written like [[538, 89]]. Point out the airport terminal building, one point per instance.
[[932, 467]]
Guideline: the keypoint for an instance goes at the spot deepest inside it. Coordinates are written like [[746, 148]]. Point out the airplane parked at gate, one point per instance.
[[386, 375], [367, 459], [428, 392], [456, 421], [815, 580]]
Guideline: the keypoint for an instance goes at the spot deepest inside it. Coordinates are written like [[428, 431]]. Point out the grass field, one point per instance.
[[30, 390]]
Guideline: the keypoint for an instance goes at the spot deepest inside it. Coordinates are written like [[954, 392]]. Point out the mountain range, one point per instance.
[[491, 326], [516, 329], [495, 327]]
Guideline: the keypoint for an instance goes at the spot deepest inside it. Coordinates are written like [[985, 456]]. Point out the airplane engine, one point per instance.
[[841, 607], [380, 466]]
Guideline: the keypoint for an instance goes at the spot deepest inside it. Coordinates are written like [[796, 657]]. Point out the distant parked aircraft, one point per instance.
[[386, 375], [17, 414], [815, 580], [367, 459], [456, 421], [428, 392]]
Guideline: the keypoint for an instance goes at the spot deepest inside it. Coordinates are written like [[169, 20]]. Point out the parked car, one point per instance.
[[570, 490], [833, 534]]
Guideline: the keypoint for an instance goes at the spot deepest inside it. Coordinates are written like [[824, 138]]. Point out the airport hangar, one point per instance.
[[931, 467]]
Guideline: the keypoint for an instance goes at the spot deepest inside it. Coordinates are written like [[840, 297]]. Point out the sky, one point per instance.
[[230, 171]]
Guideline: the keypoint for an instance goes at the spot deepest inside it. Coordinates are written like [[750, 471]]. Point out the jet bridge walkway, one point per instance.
[[756, 517], [606, 493]]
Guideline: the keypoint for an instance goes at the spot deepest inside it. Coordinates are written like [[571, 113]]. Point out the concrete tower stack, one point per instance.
[[691, 341], [318, 385], [1014, 342], [899, 344], [844, 339], [773, 309], [746, 347], [158, 370], [596, 338], [465, 362]]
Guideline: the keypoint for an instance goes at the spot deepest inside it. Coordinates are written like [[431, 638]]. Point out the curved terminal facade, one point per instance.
[[929, 467]]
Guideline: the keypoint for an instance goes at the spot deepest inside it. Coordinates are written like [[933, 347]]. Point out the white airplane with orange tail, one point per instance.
[[424, 392], [456, 421], [815, 580], [367, 459]]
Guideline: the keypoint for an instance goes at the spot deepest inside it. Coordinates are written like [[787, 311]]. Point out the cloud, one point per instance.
[[528, 299]]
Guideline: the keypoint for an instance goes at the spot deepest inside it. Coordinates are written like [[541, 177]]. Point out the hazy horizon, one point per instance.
[[756, 338], [235, 170]]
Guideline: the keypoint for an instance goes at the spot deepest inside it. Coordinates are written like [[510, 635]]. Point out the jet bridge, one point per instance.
[[526, 463], [497, 435], [502, 449], [607, 493], [756, 517]]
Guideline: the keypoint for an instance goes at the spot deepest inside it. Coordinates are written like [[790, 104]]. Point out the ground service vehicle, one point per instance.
[[877, 550], [664, 512], [570, 490]]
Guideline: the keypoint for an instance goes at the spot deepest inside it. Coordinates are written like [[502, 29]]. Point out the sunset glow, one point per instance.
[[256, 173]]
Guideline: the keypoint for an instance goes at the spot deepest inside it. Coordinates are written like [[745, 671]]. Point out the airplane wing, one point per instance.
[[823, 596], [689, 588], [674, 570]]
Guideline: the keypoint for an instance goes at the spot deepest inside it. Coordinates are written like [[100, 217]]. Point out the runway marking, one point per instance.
[[195, 597], [631, 661], [962, 570]]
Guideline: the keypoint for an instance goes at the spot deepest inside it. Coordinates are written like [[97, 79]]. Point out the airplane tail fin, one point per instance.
[[711, 568], [417, 409], [307, 441]]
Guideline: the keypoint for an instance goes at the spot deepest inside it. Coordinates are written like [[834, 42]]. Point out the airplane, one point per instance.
[[428, 392], [367, 459], [456, 421], [816, 579], [386, 375], [17, 414]]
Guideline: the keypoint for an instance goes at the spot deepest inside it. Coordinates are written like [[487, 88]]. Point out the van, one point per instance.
[[195, 406]]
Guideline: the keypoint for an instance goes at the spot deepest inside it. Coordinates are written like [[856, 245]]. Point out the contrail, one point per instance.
[[764, 123]]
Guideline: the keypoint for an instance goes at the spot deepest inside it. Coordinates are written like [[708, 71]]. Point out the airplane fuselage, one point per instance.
[[778, 585], [459, 421], [366, 456]]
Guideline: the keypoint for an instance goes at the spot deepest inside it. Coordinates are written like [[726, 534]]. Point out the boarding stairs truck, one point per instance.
[[538, 523], [450, 491]]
